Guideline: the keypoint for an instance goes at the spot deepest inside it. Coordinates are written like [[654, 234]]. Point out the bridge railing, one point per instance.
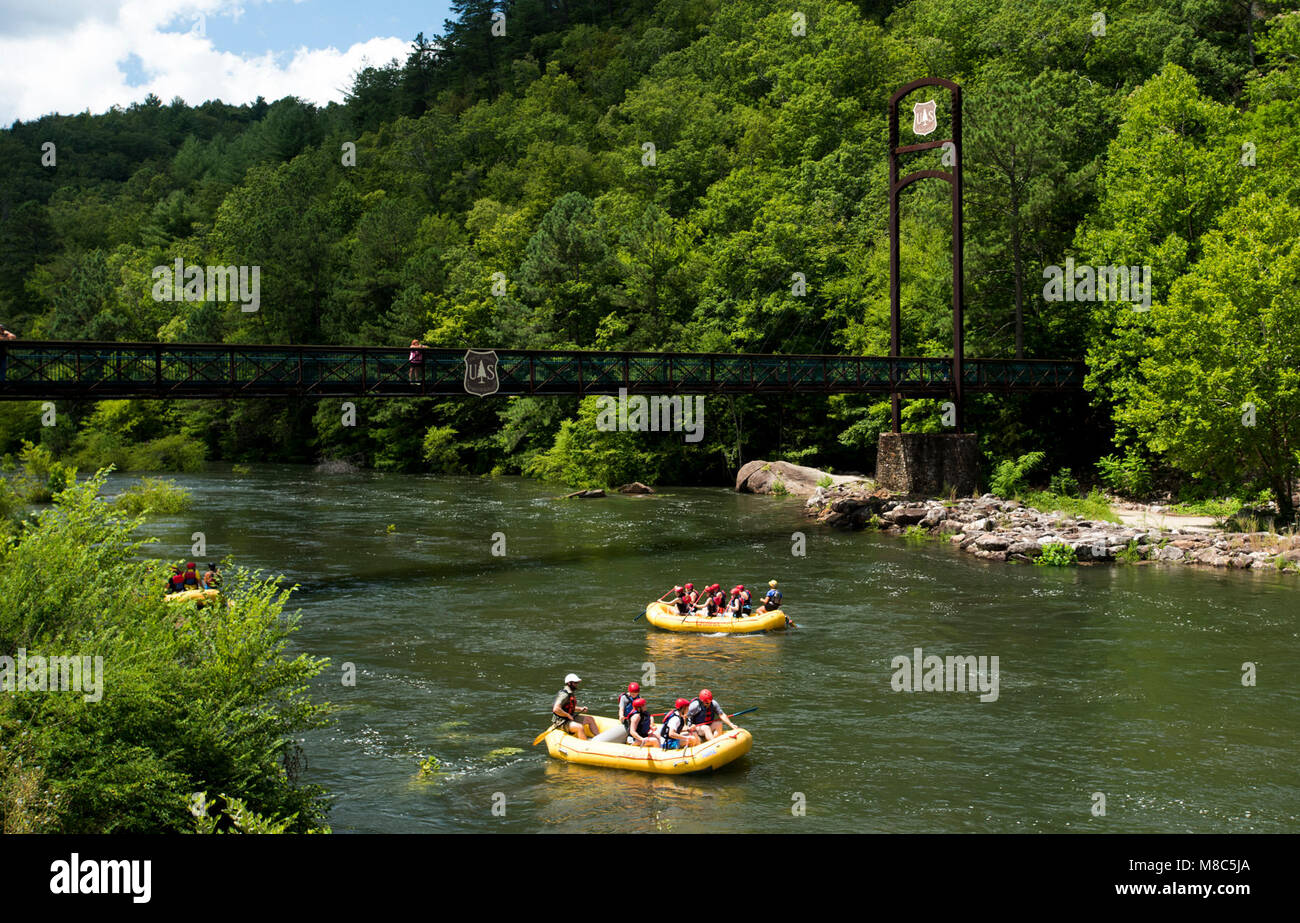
[[94, 370]]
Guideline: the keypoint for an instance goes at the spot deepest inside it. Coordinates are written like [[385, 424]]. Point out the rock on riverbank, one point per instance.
[[1004, 530], [778, 477]]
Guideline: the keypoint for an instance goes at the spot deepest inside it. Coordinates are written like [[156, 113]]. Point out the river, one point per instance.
[[1119, 680]]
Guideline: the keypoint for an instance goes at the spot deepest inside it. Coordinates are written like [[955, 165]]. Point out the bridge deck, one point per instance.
[[86, 370]]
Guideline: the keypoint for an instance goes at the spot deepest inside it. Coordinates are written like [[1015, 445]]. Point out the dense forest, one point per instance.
[[651, 175]]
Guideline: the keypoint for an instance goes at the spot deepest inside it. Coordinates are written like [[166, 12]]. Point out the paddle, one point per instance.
[[733, 715], [542, 736], [659, 600]]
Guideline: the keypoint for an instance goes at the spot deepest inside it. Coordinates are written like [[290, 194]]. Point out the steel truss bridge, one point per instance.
[[81, 370]]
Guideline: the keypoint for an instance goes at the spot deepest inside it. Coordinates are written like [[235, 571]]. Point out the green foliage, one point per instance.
[[1130, 475], [1093, 507], [517, 160], [236, 817], [825, 481], [1057, 554], [191, 700], [153, 495], [1009, 478], [1064, 483], [41, 477], [1129, 554]]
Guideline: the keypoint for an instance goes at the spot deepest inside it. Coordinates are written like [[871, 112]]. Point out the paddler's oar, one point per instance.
[[659, 600], [745, 712], [542, 736]]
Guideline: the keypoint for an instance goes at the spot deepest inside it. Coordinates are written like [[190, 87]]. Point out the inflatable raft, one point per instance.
[[666, 616], [191, 596], [712, 754]]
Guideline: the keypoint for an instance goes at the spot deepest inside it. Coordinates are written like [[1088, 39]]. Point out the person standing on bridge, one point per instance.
[[416, 362], [5, 334]]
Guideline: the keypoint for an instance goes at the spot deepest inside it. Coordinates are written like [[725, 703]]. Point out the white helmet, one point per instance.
[[571, 679]]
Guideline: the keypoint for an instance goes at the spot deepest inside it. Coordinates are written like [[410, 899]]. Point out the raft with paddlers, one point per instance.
[[665, 615], [703, 757]]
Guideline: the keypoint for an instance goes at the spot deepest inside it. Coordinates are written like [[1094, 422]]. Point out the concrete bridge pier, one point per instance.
[[930, 464]]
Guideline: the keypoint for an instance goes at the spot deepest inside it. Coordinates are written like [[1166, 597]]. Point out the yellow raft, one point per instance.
[[666, 616], [712, 754], [191, 596]]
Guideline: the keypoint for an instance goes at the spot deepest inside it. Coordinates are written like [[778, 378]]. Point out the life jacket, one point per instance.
[[176, 583], [191, 578], [668, 726], [774, 599], [643, 723], [707, 713], [625, 708], [683, 605]]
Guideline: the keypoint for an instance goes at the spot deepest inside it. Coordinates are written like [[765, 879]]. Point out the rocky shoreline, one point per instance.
[[1006, 530]]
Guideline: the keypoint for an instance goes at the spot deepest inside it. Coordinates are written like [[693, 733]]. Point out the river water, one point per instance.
[[1123, 681]]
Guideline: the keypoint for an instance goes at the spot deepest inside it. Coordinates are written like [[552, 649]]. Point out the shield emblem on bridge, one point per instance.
[[924, 120], [481, 372]]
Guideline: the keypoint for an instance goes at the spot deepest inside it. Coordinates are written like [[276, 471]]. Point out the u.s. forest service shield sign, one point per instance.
[[481, 372], [923, 118]]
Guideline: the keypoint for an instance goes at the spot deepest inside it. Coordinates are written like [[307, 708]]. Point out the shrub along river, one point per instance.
[[1119, 680]]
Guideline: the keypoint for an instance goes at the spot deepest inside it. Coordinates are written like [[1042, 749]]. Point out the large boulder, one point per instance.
[[762, 477]]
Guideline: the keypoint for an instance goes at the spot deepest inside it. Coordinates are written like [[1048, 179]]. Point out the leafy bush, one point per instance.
[[153, 495], [1057, 554], [440, 450], [1009, 476], [1064, 484], [1129, 554], [190, 700], [1094, 506], [41, 477], [1130, 476], [825, 481]]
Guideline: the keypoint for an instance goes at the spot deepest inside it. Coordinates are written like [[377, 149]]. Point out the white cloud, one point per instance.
[[69, 56]]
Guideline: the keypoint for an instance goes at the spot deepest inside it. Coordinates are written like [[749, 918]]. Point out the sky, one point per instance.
[[70, 56]]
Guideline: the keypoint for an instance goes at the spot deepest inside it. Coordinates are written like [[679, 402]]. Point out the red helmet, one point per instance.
[[638, 703], [715, 587], [705, 696], [681, 703], [742, 588], [690, 586], [633, 688], [677, 589]]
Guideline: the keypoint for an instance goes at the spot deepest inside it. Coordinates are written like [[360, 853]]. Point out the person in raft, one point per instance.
[[771, 599], [568, 714], [714, 601], [639, 725], [176, 582], [191, 576], [211, 577], [672, 733], [706, 716], [681, 601], [625, 702]]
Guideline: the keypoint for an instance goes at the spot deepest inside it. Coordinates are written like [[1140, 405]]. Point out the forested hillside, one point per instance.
[[1160, 133]]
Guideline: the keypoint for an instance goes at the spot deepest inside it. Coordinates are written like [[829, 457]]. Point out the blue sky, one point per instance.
[[76, 55]]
